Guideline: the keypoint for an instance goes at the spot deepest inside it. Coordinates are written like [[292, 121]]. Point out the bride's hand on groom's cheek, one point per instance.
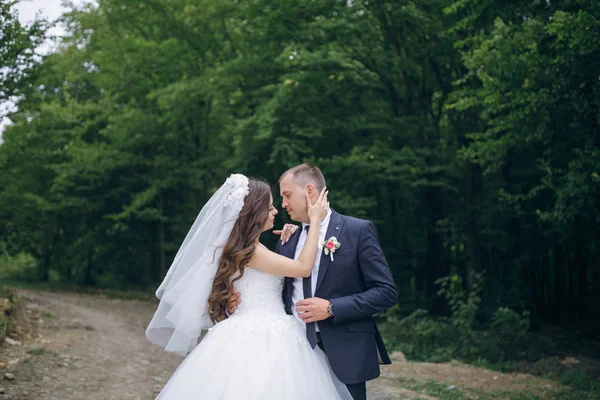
[[233, 303], [313, 309]]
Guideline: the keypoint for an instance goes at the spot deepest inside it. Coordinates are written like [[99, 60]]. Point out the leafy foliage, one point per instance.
[[18, 58], [504, 337], [467, 131]]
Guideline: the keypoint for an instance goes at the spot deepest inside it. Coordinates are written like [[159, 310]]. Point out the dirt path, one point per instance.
[[94, 348], [89, 347]]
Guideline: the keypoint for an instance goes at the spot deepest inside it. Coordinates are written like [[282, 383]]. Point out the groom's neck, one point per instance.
[[304, 220]]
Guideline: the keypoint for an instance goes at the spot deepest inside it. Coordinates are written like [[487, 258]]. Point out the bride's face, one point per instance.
[[271, 219]]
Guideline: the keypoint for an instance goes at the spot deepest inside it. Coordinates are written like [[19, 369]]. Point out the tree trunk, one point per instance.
[[557, 293], [44, 265], [89, 277], [594, 305], [47, 251], [579, 294], [435, 263], [161, 237], [147, 275], [472, 178]]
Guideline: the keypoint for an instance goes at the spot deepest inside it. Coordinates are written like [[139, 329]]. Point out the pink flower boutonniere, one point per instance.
[[330, 246]]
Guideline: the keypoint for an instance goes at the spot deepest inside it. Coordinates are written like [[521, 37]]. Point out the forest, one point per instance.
[[467, 131]]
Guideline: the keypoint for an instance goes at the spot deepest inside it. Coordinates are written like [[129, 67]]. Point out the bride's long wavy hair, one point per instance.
[[239, 247]]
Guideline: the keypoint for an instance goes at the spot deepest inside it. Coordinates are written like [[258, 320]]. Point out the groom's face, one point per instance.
[[294, 199]]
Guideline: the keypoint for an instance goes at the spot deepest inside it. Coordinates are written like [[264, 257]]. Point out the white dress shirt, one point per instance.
[[298, 289]]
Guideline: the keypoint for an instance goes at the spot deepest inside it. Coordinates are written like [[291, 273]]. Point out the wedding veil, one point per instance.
[[182, 313]]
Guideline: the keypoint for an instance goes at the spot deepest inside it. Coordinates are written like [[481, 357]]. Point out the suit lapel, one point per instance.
[[289, 250], [336, 223]]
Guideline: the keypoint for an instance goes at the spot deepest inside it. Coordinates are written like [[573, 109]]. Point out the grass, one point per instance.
[[442, 391], [5, 323], [576, 385], [584, 388], [37, 351], [581, 386], [505, 367], [6, 314], [423, 338]]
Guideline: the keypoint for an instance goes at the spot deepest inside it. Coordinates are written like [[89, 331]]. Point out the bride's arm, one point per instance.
[[267, 261]]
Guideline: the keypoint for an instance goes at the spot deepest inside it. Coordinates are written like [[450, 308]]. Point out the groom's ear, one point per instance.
[[310, 189]]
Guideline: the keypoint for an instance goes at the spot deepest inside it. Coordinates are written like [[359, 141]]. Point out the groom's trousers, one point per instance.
[[357, 390]]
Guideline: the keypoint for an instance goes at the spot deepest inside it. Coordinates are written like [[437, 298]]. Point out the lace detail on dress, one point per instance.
[[259, 292], [261, 308]]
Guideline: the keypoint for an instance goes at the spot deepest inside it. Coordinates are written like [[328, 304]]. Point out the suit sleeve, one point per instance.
[[381, 292]]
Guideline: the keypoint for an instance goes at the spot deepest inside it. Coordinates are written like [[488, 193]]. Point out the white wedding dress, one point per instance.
[[259, 352]]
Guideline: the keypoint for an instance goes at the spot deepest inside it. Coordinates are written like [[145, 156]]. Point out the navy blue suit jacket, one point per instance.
[[359, 283]]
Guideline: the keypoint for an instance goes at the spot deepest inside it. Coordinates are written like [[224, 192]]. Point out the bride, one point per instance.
[[259, 352]]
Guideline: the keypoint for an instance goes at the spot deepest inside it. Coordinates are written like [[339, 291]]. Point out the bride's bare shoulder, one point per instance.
[[261, 251], [264, 250]]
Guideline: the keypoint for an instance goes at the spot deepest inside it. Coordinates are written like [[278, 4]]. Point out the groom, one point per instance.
[[346, 288]]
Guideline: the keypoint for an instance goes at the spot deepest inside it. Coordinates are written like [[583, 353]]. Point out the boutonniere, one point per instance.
[[330, 246]]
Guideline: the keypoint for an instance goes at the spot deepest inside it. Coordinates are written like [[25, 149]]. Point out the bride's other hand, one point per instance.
[[233, 303], [286, 232], [318, 211]]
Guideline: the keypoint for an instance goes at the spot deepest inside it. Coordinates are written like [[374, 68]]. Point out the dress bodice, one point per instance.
[[259, 292]]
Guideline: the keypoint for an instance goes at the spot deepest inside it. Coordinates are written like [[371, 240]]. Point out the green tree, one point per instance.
[[18, 47]]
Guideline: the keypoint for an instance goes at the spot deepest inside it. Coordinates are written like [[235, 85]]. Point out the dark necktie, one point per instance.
[[311, 329]]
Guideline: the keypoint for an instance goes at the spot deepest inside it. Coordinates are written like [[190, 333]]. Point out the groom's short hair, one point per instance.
[[306, 173]]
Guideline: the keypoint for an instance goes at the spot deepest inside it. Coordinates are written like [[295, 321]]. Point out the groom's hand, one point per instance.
[[313, 309], [233, 302]]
